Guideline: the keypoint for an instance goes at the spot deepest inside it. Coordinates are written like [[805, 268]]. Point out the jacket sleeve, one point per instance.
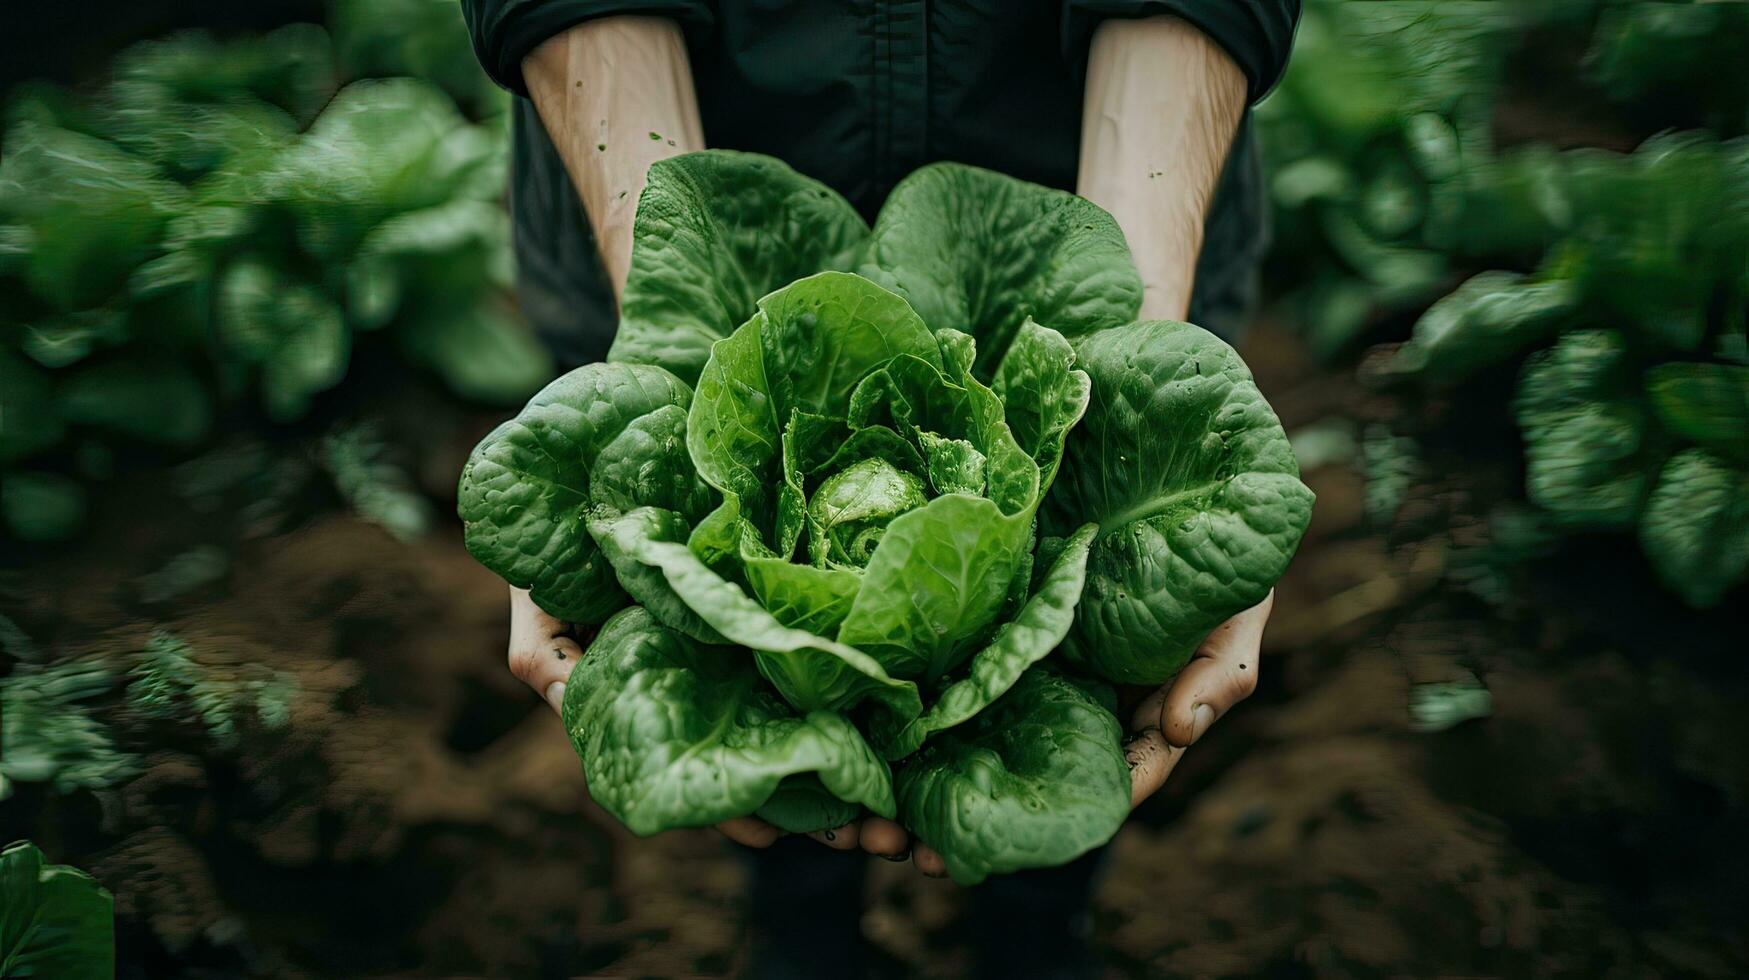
[[1256, 34], [505, 31]]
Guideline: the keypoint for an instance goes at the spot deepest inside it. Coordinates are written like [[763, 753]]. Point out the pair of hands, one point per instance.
[[1163, 724], [1162, 103]]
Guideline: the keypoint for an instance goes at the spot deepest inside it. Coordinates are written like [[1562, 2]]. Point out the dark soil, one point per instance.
[[422, 814]]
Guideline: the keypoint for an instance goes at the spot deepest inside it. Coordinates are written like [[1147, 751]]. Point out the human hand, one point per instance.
[[1221, 673], [542, 653]]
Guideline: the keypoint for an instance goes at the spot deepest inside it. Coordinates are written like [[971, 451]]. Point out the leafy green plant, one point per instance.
[[1387, 173], [358, 460], [59, 724], [55, 920], [838, 519], [1383, 166], [49, 732], [1634, 398], [225, 221], [169, 685]]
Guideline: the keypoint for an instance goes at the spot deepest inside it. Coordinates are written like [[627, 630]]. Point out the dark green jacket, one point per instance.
[[858, 94]]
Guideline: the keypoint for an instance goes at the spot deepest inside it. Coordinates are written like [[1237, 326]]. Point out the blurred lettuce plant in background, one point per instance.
[[1508, 169], [222, 222]]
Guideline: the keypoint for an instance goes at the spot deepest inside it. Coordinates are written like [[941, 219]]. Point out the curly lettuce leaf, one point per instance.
[[715, 231], [1189, 475], [1043, 395], [810, 671], [979, 252], [805, 350], [822, 334], [1034, 780], [526, 487], [935, 402], [935, 584], [802, 596], [849, 513], [676, 734], [622, 538]]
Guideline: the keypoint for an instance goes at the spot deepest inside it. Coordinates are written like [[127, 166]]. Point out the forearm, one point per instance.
[[1162, 103], [615, 95]]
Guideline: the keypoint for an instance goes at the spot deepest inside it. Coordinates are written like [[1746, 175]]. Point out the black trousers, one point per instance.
[[807, 902]]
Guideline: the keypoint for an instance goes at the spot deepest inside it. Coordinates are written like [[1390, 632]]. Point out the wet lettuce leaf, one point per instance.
[[713, 233], [1189, 475], [525, 490], [673, 733], [975, 251], [1036, 779]]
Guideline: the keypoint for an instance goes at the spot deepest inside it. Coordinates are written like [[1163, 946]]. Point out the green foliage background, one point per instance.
[[1491, 147], [204, 240]]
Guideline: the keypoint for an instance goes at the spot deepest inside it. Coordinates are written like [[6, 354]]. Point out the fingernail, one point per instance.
[[556, 695], [904, 855], [1200, 720]]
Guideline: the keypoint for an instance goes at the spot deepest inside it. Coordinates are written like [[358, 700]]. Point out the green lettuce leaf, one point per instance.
[[935, 402], [811, 672], [1587, 453], [1487, 320], [979, 252], [382, 147], [805, 350], [92, 211], [1695, 530], [1704, 403], [1189, 475], [55, 921], [676, 734], [293, 333], [803, 597], [802, 804], [624, 539], [934, 585], [1034, 780], [1021, 642], [715, 231], [525, 489], [1043, 396]]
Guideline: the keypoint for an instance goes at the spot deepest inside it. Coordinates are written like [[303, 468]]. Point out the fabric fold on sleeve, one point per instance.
[[1256, 34], [505, 31]]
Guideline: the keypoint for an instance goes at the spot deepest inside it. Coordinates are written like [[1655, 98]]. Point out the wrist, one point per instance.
[[615, 95], [1161, 107], [1166, 294]]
